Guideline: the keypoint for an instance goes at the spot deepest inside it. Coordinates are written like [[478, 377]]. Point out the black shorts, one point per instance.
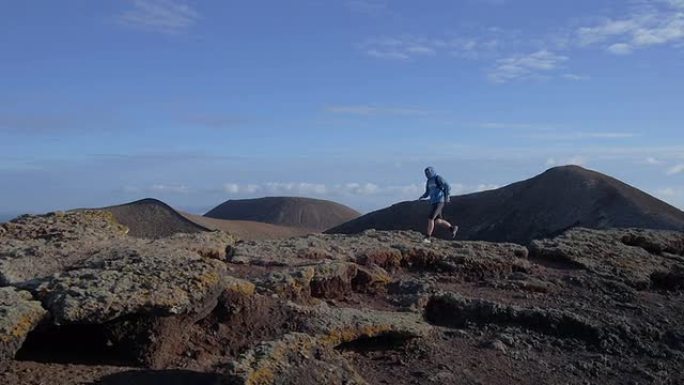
[[436, 212]]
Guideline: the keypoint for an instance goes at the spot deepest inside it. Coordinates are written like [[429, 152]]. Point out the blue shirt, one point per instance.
[[435, 190]]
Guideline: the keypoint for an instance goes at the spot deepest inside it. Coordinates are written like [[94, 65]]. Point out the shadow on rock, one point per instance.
[[161, 377]]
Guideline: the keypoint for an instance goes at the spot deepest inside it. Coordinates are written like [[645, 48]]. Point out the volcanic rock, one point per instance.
[[639, 258], [38, 246], [19, 314], [122, 281], [296, 358]]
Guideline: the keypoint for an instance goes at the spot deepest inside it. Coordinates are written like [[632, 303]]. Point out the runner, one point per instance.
[[437, 189]]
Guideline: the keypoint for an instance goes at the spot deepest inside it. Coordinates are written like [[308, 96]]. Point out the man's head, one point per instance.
[[430, 172]]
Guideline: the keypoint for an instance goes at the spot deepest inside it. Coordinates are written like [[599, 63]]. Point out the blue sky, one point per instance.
[[196, 102]]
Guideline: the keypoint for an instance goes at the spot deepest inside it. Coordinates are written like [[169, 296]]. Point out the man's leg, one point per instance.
[[452, 229], [435, 214], [430, 228], [443, 222]]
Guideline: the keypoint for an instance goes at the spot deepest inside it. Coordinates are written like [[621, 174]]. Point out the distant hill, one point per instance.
[[305, 213], [152, 218], [543, 206], [247, 230]]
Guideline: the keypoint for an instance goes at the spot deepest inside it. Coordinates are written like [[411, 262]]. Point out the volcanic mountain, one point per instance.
[[304, 213], [152, 218], [543, 206]]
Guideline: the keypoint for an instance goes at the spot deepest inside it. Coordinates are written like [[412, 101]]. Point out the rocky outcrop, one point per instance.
[[137, 293], [19, 315], [118, 282], [38, 246], [639, 258]]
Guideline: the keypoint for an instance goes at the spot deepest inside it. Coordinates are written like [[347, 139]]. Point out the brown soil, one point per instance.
[[248, 230]]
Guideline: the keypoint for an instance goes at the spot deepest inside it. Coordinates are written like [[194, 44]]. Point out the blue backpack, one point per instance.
[[443, 185]]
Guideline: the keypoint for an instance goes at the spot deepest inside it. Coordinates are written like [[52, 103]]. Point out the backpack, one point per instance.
[[443, 185]]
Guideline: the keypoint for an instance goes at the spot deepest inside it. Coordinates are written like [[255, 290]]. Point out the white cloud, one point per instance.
[[403, 48], [158, 188], [574, 136], [620, 49], [409, 47], [655, 23], [667, 192], [486, 187], [575, 77], [676, 3], [358, 188], [525, 66], [652, 161], [577, 160], [606, 30], [519, 126], [173, 188], [646, 23], [671, 195], [374, 110], [231, 188], [344, 190], [678, 169], [302, 188], [166, 16]]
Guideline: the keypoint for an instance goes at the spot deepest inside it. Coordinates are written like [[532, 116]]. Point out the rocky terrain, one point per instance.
[[540, 207], [82, 302]]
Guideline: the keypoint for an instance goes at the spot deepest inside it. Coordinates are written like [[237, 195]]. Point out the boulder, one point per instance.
[[19, 315], [122, 281]]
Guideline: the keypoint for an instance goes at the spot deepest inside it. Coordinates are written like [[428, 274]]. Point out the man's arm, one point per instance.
[[427, 192]]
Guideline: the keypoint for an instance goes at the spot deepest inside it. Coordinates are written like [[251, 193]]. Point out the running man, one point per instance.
[[437, 189]]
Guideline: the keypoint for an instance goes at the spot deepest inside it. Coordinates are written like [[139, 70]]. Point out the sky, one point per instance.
[[196, 102]]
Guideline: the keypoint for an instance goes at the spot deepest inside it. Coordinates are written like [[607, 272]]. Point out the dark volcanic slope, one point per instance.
[[306, 213], [543, 206], [151, 218]]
